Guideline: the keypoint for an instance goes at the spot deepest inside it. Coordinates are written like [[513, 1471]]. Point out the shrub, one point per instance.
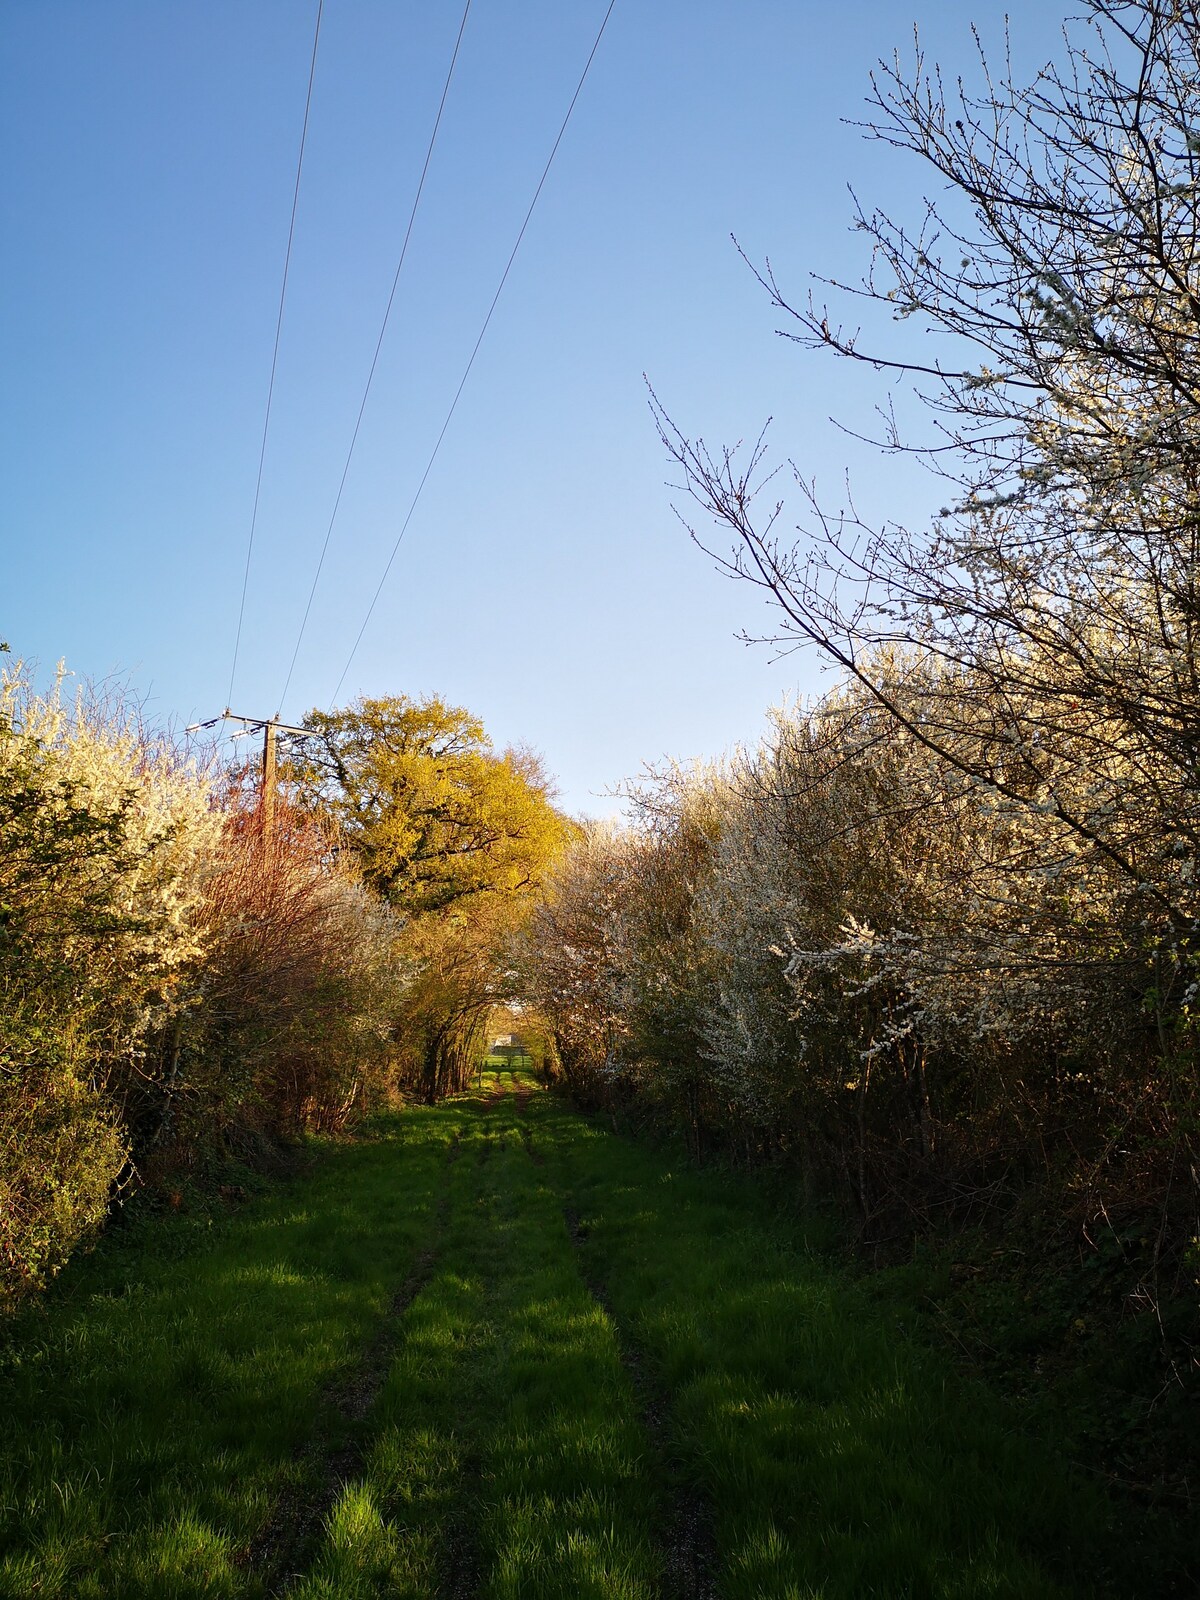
[[60, 1153]]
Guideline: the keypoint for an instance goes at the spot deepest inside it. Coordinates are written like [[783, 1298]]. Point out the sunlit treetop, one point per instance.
[[433, 813]]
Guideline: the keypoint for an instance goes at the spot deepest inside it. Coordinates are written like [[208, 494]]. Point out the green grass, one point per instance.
[[159, 1407], [244, 1407], [508, 1438], [839, 1456]]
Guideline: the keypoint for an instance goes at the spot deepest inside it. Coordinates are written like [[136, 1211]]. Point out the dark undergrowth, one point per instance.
[[1092, 1358]]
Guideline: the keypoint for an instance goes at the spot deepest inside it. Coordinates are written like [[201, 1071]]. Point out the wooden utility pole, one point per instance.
[[268, 781], [271, 728]]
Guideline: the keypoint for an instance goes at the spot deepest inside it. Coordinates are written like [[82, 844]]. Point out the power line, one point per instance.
[[287, 261], [378, 347], [474, 353]]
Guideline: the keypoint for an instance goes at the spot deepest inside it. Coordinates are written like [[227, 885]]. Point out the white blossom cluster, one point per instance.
[[165, 977], [840, 947]]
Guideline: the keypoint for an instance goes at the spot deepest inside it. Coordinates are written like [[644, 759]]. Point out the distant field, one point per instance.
[[496, 1351]]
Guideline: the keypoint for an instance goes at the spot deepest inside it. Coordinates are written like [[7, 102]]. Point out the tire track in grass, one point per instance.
[[169, 1412], [567, 1511], [461, 1560], [507, 1457], [406, 1525], [689, 1548], [838, 1456], [281, 1551], [522, 1092], [457, 1565], [519, 1451]]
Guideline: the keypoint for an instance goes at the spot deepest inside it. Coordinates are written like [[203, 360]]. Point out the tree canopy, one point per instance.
[[454, 836], [432, 812], [1048, 609]]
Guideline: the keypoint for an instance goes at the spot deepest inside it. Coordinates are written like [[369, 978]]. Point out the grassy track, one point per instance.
[[499, 1353]]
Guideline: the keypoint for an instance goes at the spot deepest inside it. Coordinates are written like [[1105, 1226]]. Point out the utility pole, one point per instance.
[[271, 727], [268, 781]]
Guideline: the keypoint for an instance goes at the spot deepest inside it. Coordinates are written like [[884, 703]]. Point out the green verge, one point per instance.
[[179, 1422], [838, 1454], [175, 1389]]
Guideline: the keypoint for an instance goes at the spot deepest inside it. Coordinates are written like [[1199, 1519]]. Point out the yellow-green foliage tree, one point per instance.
[[428, 807], [456, 837]]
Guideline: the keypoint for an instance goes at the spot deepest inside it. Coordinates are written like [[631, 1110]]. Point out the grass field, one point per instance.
[[496, 1351]]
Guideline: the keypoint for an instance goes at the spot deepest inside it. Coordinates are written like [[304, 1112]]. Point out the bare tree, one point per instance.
[[1049, 610]]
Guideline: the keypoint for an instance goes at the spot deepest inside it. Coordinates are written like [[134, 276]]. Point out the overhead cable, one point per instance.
[[412, 217], [474, 353], [287, 261]]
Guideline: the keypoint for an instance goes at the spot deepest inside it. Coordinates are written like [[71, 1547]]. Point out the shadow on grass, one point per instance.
[[165, 1401], [842, 1457], [184, 1387]]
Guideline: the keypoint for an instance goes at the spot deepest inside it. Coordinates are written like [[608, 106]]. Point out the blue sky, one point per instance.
[[148, 162]]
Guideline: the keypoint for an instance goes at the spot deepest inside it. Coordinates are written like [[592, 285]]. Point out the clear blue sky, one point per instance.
[[148, 161]]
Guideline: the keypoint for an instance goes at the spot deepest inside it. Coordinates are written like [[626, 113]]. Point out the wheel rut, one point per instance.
[[687, 1542], [283, 1548]]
